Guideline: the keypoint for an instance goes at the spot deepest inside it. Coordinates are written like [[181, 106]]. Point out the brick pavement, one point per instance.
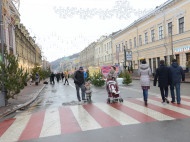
[[26, 95]]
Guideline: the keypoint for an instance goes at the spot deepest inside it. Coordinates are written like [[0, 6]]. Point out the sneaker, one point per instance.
[[172, 101], [178, 103], [163, 101], [167, 100]]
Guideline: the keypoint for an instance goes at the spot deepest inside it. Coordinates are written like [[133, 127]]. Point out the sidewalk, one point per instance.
[[23, 99]]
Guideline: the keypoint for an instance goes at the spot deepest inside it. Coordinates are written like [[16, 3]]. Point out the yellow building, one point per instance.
[[38, 55], [27, 51], [87, 56], [156, 36]]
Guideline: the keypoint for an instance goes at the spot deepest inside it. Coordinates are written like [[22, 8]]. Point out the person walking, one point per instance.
[[66, 78], [85, 75], [52, 76], [79, 83], [37, 79], [162, 75], [58, 77], [30, 80], [144, 73], [176, 74], [62, 76]]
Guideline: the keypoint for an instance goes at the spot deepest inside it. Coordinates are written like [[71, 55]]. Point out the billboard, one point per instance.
[[106, 69]]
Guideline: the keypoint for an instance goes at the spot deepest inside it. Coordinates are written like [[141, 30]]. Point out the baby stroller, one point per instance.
[[113, 92]]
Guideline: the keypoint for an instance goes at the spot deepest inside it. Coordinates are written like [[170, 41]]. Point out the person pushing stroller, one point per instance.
[[112, 75], [112, 87]]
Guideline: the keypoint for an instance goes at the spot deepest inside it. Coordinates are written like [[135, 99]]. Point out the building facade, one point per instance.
[[99, 51], [162, 34], [87, 56], [10, 14], [27, 51]]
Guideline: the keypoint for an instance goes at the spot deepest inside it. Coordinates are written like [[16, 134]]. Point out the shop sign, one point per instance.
[[129, 56], [182, 49]]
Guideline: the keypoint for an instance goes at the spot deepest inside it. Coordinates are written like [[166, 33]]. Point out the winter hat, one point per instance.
[[81, 68]]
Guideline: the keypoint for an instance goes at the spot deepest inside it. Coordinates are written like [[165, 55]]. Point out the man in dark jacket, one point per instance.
[[52, 78], [79, 83], [176, 74], [162, 75]]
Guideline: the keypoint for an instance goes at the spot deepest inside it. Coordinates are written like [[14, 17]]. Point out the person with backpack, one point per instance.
[[176, 74], [162, 75]]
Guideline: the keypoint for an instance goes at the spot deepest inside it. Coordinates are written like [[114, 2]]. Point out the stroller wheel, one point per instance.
[[111, 101], [108, 100], [120, 100]]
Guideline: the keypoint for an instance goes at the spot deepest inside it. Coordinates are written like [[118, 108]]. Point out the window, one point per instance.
[[181, 25], [130, 44], [146, 38], [135, 42], [126, 45], [140, 40], [153, 35], [160, 32], [170, 28]]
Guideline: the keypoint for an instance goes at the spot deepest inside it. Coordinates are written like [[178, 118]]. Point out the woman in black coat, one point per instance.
[[162, 75]]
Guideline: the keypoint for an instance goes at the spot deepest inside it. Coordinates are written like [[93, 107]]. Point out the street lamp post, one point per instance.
[[125, 58], [3, 97], [172, 40]]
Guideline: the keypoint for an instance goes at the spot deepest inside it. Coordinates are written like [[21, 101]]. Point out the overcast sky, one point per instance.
[[65, 27]]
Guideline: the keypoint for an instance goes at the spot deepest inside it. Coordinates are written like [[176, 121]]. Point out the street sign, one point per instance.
[[128, 55]]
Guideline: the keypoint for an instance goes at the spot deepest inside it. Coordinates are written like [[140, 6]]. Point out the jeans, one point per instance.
[[177, 87], [82, 90], [145, 94], [164, 92]]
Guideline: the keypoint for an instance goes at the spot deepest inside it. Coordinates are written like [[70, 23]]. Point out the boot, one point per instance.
[[145, 102]]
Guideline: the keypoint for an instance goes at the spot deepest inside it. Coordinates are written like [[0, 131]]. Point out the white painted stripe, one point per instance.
[[145, 110], [84, 119], [170, 107], [187, 97], [15, 130], [51, 125], [119, 116], [185, 102]]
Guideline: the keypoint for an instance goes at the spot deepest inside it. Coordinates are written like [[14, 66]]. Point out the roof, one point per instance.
[[145, 17]]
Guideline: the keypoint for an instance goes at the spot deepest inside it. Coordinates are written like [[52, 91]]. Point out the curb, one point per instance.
[[17, 107]]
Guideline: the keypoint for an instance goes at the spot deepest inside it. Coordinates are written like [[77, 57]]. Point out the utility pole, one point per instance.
[[3, 95], [125, 59], [172, 40]]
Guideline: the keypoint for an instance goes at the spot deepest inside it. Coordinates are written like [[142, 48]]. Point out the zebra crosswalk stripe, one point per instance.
[[51, 125], [85, 120], [117, 115], [14, 131], [155, 114]]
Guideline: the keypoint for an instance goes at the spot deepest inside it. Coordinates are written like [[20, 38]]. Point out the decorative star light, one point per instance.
[[121, 10]]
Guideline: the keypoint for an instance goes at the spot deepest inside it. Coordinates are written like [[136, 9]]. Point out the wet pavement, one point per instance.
[[58, 95], [56, 115]]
